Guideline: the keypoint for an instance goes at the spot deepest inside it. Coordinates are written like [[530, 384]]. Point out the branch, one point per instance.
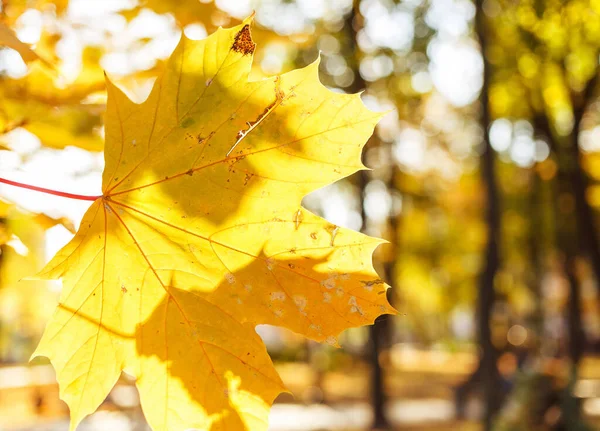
[[587, 95]]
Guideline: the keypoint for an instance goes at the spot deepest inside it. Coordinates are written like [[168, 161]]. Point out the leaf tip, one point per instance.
[[107, 81], [250, 18], [35, 354], [363, 167], [391, 310], [317, 61]]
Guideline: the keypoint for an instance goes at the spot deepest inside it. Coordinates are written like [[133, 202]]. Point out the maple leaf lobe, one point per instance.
[[243, 41]]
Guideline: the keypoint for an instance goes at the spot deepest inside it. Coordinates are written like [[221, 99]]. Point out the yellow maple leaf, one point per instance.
[[200, 235]]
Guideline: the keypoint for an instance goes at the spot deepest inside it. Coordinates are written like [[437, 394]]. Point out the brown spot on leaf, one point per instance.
[[201, 140], [333, 231], [243, 41], [279, 95], [298, 218], [372, 282]]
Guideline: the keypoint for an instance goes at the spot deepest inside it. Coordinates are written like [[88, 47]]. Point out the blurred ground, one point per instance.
[[420, 385]]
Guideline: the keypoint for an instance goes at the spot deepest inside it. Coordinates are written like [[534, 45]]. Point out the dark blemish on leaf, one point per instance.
[[190, 172], [293, 250], [248, 177], [381, 293], [187, 122], [201, 140], [123, 289], [298, 217], [313, 235], [333, 231], [372, 282], [279, 95], [243, 42], [291, 265]]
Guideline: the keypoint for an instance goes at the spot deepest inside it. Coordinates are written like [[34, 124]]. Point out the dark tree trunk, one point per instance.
[[576, 229], [576, 334], [576, 232], [568, 242], [379, 331], [490, 377], [588, 234], [537, 243], [584, 224]]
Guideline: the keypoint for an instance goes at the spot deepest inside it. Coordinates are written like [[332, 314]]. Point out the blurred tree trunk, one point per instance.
[[379, 332], [571, 170], [577, 233], [588, 234], [537, 244], [583, 224], [582, 237], [568, 242], [490, 377]]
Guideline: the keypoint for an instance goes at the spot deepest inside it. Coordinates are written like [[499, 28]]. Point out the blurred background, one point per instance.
[[486, 181]]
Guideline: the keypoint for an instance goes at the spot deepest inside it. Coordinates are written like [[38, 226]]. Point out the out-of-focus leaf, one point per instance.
[[56, 114], [186, 12], [46, 222], [9, 38], [23, 303], [13, 9]]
